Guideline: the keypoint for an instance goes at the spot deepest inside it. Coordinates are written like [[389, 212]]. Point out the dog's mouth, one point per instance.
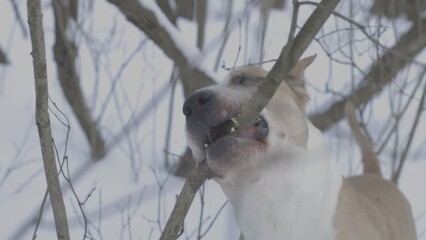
[[259, 131]]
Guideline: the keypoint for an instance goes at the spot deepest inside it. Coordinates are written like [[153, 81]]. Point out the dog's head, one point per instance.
[[214, 135]]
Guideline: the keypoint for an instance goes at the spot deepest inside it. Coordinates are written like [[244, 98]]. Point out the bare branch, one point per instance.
[[399, 113], [19, 18], [65, 57], [287, 59], [225, 32], [201, 19], [159, 29], [3, 58], [42, 118], [404, 153], [381, 73], [174, 225], [173, 81], [40, 215]]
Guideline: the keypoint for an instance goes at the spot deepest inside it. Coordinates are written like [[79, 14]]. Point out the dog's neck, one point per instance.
[[293, 198]]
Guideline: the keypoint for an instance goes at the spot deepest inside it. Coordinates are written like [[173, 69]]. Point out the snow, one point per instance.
[[119, 200], [194, 56]]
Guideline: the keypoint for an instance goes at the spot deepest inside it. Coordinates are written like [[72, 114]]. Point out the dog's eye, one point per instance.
[[242, 80]]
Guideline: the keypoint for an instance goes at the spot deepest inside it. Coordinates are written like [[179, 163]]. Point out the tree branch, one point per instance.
[[420, 109], [152, 21], [42, 118], [18, 17], [381, 73], [289, 55], [201, 21], [65, 57], [3, 58], [174, 225]]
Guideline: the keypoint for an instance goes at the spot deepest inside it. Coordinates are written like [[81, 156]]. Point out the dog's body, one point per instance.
[[278, 174]]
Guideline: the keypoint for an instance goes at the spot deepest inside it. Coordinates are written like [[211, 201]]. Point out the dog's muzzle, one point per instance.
[[208, 119]]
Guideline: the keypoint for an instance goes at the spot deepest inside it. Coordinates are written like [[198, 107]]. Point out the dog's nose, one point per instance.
[[197, 101]]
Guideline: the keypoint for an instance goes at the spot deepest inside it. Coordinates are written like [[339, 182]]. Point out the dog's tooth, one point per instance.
[[234, 120], [232, 129]]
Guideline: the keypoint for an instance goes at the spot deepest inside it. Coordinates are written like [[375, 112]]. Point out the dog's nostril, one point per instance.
[[201, 101], [203, 97], [187, 111], [197, 102]]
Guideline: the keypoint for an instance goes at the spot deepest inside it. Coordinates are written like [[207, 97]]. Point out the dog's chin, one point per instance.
[[225, 146], [236, 149], [233, 153]]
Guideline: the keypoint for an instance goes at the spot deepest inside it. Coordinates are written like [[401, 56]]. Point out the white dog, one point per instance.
[[278, 174]]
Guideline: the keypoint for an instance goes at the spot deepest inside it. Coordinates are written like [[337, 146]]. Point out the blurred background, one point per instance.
[[119, 72]]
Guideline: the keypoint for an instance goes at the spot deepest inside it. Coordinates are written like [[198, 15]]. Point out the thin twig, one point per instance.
[[40, 215], [202, 193], [214, 219], [362, 28], [239, 45], [173, 82], [401, 113], [19, 18], [293, 25], [225, 32], [403, 157], [381, 73]]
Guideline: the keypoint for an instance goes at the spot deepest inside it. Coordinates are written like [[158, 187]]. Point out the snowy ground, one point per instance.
[[131, 193]]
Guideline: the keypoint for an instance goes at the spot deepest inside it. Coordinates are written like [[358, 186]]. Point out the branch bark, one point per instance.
[[381, 73], [42, 118], [290, 53], [174, 225]]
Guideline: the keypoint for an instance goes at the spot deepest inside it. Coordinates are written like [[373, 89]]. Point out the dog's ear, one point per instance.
[[295, 79], [298, 70]]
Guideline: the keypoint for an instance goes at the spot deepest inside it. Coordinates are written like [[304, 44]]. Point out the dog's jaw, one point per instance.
[[232, 150]]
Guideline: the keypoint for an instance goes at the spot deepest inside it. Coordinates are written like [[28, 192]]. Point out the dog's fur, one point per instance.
[[278, 174]]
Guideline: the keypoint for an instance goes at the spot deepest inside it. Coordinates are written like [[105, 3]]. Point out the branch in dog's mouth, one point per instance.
[[231, 126], [220, 130]]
